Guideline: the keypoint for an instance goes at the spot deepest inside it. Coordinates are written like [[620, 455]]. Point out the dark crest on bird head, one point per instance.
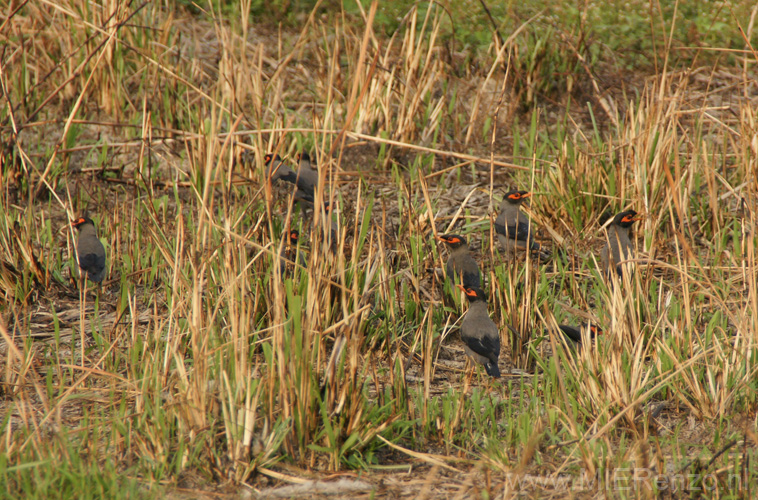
[[453, 240], [473, 293], [82, 221], [626, 219], [517, 196]]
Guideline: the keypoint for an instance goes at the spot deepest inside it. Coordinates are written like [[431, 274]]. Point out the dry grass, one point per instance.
[[199, 368]]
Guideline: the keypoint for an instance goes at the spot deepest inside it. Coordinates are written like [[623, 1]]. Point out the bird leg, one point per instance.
[[470, 368]]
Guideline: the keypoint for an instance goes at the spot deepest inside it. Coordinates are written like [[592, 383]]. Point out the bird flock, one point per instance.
[[514, 230], [516, 235]]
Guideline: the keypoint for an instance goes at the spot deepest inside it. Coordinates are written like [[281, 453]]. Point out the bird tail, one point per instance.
[[492, 370]]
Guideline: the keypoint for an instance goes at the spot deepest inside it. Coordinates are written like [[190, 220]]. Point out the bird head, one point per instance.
[[626, 218], [517, 197], [82, 221], [452, 240], [595, 330], [269, 158], [473, 294], [293, 235]]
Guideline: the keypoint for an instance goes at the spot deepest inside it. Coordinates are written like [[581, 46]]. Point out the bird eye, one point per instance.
[[268, 157], [515, 196], [454, 240]]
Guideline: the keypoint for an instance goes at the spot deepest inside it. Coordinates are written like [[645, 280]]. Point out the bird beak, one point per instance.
[[438, 238], [463, 288], [633, 219], [527, 195]]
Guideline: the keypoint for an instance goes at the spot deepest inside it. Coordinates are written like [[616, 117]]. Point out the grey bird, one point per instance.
[[514, 229], [460, 264], [304, 188], [618, 247], [276, 169], [574, 333], [89, 249], [480, 335], [291, 253]]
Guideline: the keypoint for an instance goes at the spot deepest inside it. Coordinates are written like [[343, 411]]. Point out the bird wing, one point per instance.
[[305, 196], [285, 174], [91, 262], [486, 345], [519, 231], [471, 278], [571, 332]]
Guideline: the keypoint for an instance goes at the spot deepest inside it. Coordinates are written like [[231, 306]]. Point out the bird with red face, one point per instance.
[[460, 266], [480, 335], [89, 249], [513, 228], [618, 247], [291, 253], [574, 333], [305, 179]]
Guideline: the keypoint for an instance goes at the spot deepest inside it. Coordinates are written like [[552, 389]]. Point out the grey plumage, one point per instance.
[[307, 175], [460, 263], [480, 335], [304, 180], [276, 169], [618, 247], [89, 249], [514, 229]]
